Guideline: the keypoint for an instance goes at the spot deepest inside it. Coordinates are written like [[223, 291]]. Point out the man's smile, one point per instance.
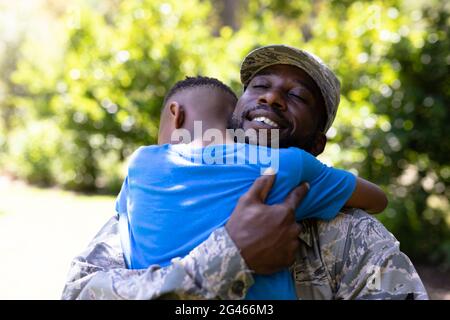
[[263, 118], [266, 121]]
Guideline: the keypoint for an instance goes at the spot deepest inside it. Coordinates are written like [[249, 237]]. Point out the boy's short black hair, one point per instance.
[[198, 81]]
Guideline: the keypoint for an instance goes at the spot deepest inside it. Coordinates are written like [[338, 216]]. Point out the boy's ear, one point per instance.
[[177, 114], [319, 143]]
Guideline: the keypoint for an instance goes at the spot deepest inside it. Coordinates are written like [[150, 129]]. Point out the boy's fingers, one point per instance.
[[262, 186], [296, 196]]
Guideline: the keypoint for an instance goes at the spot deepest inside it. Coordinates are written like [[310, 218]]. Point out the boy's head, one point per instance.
[[196, 99]]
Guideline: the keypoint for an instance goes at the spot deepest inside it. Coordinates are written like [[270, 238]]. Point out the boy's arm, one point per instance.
[[367, 196], [332, 189]]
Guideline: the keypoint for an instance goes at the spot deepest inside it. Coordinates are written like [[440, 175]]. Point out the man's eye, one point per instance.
[[296, 96], [264, 86]]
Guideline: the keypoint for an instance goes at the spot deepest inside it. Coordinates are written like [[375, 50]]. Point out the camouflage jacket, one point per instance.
[[351, 257]]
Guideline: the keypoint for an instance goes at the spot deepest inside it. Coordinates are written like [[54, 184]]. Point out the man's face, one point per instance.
[[286, 98]]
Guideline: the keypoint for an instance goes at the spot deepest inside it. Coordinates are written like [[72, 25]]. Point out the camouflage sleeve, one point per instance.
[[213, 270], [369, 264]]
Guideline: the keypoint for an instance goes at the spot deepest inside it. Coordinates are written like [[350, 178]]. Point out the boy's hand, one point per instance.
[[266, 235]]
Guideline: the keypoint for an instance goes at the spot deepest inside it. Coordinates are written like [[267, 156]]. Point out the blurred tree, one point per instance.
[[228, 12]]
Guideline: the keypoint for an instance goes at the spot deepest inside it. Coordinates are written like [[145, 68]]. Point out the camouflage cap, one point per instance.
[[325, 79]]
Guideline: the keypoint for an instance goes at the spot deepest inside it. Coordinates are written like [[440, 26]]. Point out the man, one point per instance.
[[350, 257]]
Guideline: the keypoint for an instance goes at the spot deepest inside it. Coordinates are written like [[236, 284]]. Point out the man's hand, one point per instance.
[[266, 235]]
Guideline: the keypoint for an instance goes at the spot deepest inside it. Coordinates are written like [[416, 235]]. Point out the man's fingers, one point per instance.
[[296, 196], [261, 187], [296, 229], [269, 175]]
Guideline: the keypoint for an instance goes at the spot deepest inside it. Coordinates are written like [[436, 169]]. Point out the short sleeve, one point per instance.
[[121, 200], [330, 189]]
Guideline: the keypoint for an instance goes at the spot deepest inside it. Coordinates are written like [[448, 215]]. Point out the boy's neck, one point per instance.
[[216, 137], [200, 136]]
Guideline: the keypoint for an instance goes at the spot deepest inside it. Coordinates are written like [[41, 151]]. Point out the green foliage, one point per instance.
[[418, 108], [30, 158], [75, 102]]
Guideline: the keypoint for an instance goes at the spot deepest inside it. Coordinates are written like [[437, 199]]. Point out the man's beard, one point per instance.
[[306, 143]]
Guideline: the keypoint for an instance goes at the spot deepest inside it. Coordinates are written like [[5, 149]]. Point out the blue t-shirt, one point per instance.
[[175, 196]]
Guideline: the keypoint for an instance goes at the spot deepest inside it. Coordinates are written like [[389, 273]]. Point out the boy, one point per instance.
[[174, 197]]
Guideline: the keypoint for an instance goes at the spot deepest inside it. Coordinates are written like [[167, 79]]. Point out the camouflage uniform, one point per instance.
[[350, 257]]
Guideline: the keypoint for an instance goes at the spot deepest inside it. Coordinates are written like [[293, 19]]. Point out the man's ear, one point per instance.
[[177, 113], [320, 141]]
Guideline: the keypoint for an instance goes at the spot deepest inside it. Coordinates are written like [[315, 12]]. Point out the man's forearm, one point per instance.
[[213, 270]]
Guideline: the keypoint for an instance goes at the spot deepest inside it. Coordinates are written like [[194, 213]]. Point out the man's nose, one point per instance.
[[274, 99]]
